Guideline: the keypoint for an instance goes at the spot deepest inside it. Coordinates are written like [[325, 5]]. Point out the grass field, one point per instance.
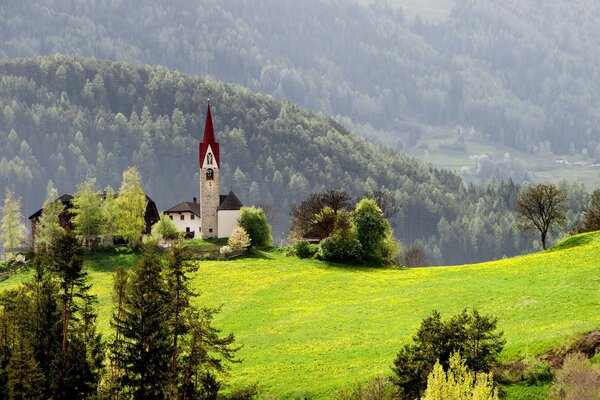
[[310, 328]]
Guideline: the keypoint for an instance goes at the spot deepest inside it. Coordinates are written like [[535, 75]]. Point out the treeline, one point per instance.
[[64, 119], [521, 73]]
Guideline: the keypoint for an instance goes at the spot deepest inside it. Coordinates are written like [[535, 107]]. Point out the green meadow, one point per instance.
[[310, 328]]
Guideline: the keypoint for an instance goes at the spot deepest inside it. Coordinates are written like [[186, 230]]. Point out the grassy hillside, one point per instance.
[[309, 328]]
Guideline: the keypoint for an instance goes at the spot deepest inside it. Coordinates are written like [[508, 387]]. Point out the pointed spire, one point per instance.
[[209, 140], [209, 133]]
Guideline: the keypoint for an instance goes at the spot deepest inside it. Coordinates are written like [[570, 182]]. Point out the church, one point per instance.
[[216, 215]]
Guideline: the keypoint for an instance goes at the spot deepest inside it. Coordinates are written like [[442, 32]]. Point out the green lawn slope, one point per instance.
[[309, 328]]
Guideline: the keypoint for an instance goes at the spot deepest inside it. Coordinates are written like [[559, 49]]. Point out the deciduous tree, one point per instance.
[[87, 213], [48, 225], [131, 205], [255, 223], [592, 214], [12, 229], [541, 207], [459, 383]]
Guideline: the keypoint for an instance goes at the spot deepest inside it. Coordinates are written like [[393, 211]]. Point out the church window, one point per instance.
[[209, 158], [209, 174]]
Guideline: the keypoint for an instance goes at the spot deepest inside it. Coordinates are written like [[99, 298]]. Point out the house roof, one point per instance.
[[66, 199], [230, 202], [186, 206], [209, 139]]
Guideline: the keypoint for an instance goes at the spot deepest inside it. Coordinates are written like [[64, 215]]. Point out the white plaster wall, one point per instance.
[[228, 220], [193, 224]]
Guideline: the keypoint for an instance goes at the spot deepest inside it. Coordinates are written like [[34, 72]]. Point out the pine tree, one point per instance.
[[12, 229], [144, 348]]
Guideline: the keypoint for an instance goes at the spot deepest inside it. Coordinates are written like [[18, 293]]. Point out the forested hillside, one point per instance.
[[519, 72], [64, 118]]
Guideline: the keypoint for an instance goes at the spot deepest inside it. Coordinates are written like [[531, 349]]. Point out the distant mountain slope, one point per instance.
[[520, 72], [63, 118]]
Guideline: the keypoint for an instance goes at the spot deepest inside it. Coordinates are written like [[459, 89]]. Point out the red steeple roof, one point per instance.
[[209, 140]]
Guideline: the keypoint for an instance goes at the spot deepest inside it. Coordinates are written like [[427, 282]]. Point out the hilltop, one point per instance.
[[310, 328], [66, 117]]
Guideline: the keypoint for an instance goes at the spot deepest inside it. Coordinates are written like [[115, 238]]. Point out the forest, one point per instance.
[[520, 73], [65, 118]]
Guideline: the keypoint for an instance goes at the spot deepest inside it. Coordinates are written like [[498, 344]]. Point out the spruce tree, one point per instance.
[[144, 348]]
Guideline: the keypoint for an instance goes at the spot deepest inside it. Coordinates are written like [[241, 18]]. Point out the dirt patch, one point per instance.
[[587, 344]]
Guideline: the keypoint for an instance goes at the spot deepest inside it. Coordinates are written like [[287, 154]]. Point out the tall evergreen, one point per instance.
[[144, 347]]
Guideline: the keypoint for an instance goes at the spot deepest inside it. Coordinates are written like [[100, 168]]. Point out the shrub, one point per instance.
[[303, 249], [471, 334], [225, 251], [378, 388], [164, 229], [576, 380], [415, 256], [254, 222], [459, 383], [339, 248], [239, 241]]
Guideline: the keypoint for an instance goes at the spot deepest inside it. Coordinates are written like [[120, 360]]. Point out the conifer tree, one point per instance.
[[12, 229], [144, 347]]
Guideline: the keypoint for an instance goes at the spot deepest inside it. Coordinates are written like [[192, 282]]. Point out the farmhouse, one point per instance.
[[151, 215], [215, 216]]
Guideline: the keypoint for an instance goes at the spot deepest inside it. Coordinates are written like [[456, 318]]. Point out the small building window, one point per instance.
[[210, 230], [187, 229], [170, 216], [182, 217], [192, 216]]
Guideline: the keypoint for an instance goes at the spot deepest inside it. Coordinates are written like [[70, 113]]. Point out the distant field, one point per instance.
[[310, 328], [542, 169]]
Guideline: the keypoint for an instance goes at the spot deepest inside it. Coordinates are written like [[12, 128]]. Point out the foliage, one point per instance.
[[165, 228], [12, 229], [379, 388], [471, 334], [87, 218], [387, 203], [542, 207], [131, 206], [317, 213], [578, 379], [373, 231], [341, 248], [459, 383], [239, 241], [254, 222], [130, 111], [48, 226], [592, 214], [110, 213], [303, 249]]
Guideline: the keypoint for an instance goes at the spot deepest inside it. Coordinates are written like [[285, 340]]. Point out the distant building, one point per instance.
[[216, 215]]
